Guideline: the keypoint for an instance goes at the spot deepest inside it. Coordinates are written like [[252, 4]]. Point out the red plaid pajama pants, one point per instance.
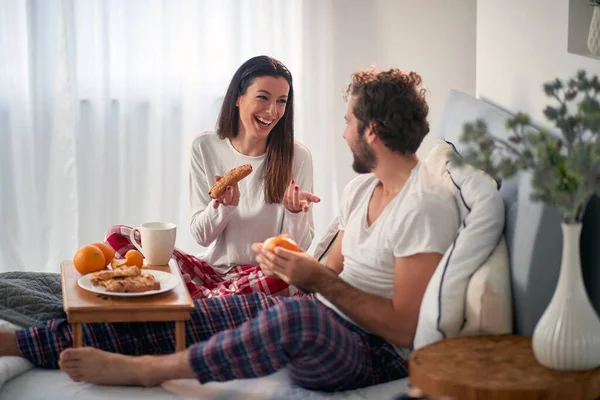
[[202, 280]]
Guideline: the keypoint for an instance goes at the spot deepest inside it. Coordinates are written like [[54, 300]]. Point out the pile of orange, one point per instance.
[[97, 256]]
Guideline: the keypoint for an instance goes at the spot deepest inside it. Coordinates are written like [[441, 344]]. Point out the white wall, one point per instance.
[[355, 45], [436, 38], [520, 45]]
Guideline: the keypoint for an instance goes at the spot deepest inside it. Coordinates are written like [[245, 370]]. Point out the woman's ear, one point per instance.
[[237, 102]]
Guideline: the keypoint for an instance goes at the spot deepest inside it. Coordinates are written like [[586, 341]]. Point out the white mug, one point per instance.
[[158, 241]]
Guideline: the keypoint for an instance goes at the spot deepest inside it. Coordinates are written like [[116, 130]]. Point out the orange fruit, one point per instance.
[[108, 252], [281, 241], [132, 258], [89, 259], [117, 262]]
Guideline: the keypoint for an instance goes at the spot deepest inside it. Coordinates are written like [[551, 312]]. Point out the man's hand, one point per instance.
[[257, 247], [231, 196], [296, 200], [294, 268]]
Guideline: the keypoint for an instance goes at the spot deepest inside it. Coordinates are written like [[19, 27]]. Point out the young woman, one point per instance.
[[255, 127]]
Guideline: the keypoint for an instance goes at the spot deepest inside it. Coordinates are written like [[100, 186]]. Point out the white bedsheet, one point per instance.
[[277, 386], [39, 384]]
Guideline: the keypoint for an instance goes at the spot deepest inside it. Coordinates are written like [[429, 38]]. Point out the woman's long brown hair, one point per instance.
[[280, 142]]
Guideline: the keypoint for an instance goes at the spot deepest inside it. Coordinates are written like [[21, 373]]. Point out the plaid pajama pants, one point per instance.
[[237, 337], [202, 280]]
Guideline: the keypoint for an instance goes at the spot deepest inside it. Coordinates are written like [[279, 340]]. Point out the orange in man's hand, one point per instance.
[[89, 259], [281, 241], [108, 252]]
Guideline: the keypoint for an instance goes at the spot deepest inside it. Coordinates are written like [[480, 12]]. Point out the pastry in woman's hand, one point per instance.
[[230, 178]]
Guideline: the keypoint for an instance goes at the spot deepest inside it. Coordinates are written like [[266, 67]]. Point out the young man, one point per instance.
[[396, 222]]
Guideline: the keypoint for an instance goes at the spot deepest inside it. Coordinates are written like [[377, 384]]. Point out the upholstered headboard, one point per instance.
[[532, 230]]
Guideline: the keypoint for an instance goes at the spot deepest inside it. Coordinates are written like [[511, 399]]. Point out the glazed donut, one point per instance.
[[230, 178], [281, 241]]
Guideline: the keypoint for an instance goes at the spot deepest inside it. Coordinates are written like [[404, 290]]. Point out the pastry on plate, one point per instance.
[[135, 284], [123, 272]]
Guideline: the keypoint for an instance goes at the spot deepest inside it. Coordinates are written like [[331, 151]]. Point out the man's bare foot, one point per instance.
[[91, 365], [8, 344]]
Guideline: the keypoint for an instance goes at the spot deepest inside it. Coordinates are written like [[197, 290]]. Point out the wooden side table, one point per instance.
[[82, 306], [495, 367]]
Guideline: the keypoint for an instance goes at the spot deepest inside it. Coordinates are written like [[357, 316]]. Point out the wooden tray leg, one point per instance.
[[180, 336], [77, 335]]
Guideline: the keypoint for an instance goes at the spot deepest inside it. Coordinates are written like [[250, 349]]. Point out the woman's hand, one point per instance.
[[296, 200], [231, 197]]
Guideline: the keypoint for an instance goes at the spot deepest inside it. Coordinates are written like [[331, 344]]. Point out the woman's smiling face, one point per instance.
[[262, 106]]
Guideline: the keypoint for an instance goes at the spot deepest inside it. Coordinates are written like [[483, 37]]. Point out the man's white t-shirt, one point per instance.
[[228, 232], [422, 218]]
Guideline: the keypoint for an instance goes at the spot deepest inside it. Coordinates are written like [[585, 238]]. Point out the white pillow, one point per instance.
[[442, 313], [11, 366], [488, 306], [321, 252]]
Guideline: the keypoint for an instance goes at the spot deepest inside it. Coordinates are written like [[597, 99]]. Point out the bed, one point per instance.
[[532, 234], [27, 385]]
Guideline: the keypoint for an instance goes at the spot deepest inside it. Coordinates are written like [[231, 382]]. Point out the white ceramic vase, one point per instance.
[[567, 336], [593, 41]]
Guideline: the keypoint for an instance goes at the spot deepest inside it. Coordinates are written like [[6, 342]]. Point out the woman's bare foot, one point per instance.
[[8, 344], [91, 365]]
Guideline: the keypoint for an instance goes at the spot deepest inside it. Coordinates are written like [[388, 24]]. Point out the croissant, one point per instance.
[[231, 178]]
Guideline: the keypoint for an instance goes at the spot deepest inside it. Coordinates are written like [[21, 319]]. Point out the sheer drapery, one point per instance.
[[100, 99]]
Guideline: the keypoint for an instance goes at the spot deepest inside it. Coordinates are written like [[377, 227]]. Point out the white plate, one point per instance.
[[167, 282]]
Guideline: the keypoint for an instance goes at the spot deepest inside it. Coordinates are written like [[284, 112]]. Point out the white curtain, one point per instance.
[[100, 99]]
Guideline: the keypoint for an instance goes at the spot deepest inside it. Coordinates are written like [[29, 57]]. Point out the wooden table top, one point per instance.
[[85, 306], [495, 367]]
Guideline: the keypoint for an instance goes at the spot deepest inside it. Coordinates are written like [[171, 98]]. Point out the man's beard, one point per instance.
[[364, 157]]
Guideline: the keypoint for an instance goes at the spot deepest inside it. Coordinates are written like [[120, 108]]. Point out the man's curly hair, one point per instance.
[[393, 103]]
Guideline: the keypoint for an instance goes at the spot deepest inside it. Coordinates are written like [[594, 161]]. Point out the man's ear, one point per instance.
[[370, 133]]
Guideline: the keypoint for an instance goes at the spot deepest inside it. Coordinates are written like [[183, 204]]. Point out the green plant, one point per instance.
[[565, 169]]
